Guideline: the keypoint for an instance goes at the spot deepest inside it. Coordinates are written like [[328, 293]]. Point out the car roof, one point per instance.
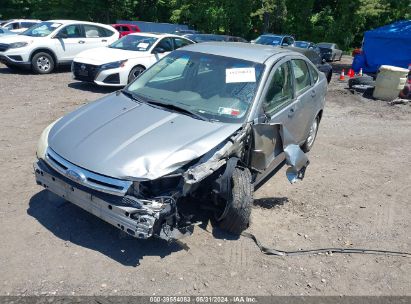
[[19, 20], [240, 50], [63, 21], [275, 35]]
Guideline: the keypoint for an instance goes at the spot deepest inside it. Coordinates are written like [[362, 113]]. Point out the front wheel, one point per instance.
[[42, 63], [238, 208], [312, 135], [134, 73]]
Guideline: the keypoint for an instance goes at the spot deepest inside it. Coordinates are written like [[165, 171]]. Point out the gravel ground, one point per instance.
[[356, 193]]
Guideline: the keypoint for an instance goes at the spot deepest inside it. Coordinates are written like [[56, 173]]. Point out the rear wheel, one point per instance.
[[135, 72], [238, 208], [312, 135], [42, 63]]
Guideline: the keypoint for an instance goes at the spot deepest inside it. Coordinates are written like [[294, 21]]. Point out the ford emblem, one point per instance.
[[83, 67], [75, 176]]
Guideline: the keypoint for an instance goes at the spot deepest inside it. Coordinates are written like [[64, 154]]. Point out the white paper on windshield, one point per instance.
[[55, 25], [240, 75], [143, 45]]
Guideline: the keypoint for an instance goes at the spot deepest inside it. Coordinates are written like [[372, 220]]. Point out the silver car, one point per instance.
[[209, 121]]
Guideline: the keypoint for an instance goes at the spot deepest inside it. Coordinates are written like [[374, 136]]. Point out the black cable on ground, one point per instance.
[[270, 251]]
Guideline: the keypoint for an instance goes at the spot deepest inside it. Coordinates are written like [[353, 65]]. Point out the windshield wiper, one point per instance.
[[131, 95], [176, 108]]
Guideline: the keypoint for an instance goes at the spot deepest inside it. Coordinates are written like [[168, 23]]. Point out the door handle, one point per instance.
[[81, 42], [312, 93], [291, 112], [104, 40]]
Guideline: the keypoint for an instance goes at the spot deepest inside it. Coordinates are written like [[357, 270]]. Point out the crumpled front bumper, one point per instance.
[[127, 213]]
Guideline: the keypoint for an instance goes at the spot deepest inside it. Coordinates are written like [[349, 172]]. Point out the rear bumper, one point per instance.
[[126, 213]]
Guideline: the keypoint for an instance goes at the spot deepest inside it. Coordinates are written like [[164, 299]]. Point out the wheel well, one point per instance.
[[139, 65], [51, 53], [320, 114]]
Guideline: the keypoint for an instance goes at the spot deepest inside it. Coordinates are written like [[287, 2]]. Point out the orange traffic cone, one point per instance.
[[342, 75], [351, 73], [360, 72]]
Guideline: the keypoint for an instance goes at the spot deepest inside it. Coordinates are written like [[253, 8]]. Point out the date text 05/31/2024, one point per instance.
[[202, 299]]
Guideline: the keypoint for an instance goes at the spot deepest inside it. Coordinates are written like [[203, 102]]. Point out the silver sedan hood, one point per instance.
[[117, 137]]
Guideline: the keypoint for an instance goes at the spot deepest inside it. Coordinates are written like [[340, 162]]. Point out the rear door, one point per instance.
[[305, 94], [96, 36]]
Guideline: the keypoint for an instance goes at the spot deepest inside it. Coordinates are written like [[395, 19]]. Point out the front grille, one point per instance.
[[4, 47], [86, 178], [85, 72]]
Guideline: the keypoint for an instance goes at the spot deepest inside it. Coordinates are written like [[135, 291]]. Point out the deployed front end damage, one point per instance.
[[149, 208]]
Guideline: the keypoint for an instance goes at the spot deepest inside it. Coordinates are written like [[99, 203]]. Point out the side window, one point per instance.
[[180, 42], [72, 31], [166, 44], [336, 46], [93, 31], [280, 90], [13, 26], [313, 72], [301, 74]]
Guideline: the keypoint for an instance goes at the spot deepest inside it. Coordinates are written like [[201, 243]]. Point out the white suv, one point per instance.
[[19, 25], [54, 42], [121, 62]]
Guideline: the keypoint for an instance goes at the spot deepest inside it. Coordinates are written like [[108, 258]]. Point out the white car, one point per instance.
[[19, 25], [51, 43], [121, 62]]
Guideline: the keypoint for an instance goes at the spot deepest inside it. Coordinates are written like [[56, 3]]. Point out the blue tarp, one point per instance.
[[389, 45]]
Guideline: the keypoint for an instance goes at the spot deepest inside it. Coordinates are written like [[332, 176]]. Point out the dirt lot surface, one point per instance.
[[356, 193]]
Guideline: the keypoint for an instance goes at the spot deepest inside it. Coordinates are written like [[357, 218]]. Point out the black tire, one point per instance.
[[329, 76], [309, 142], [237, 217], [135, 72], [361, 80], [333, 59], [42, 63]]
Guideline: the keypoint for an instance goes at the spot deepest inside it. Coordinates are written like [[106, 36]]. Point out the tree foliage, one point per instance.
[[340, 21]]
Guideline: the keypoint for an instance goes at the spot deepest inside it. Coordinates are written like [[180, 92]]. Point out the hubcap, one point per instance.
[[43, 63], [313, 133]]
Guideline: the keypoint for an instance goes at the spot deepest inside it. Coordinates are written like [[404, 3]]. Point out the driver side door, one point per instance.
[[277, 117], [69, 41], [165, 45]]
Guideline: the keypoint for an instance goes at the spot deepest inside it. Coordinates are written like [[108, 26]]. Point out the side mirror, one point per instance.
[[158, 50], [61, 35]]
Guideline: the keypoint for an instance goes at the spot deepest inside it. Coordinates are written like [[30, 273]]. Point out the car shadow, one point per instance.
[[26, 71], [74, 225], [91, 87], [270, 202]]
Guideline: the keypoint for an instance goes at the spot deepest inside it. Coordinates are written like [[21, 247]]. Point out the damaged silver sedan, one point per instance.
[[210, 121]]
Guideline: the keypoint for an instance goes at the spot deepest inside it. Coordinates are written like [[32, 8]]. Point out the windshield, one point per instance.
[[41, 29], [134, 43], [325, 45], [269, 40], [301, 44], [204, 38], [215, 87]]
